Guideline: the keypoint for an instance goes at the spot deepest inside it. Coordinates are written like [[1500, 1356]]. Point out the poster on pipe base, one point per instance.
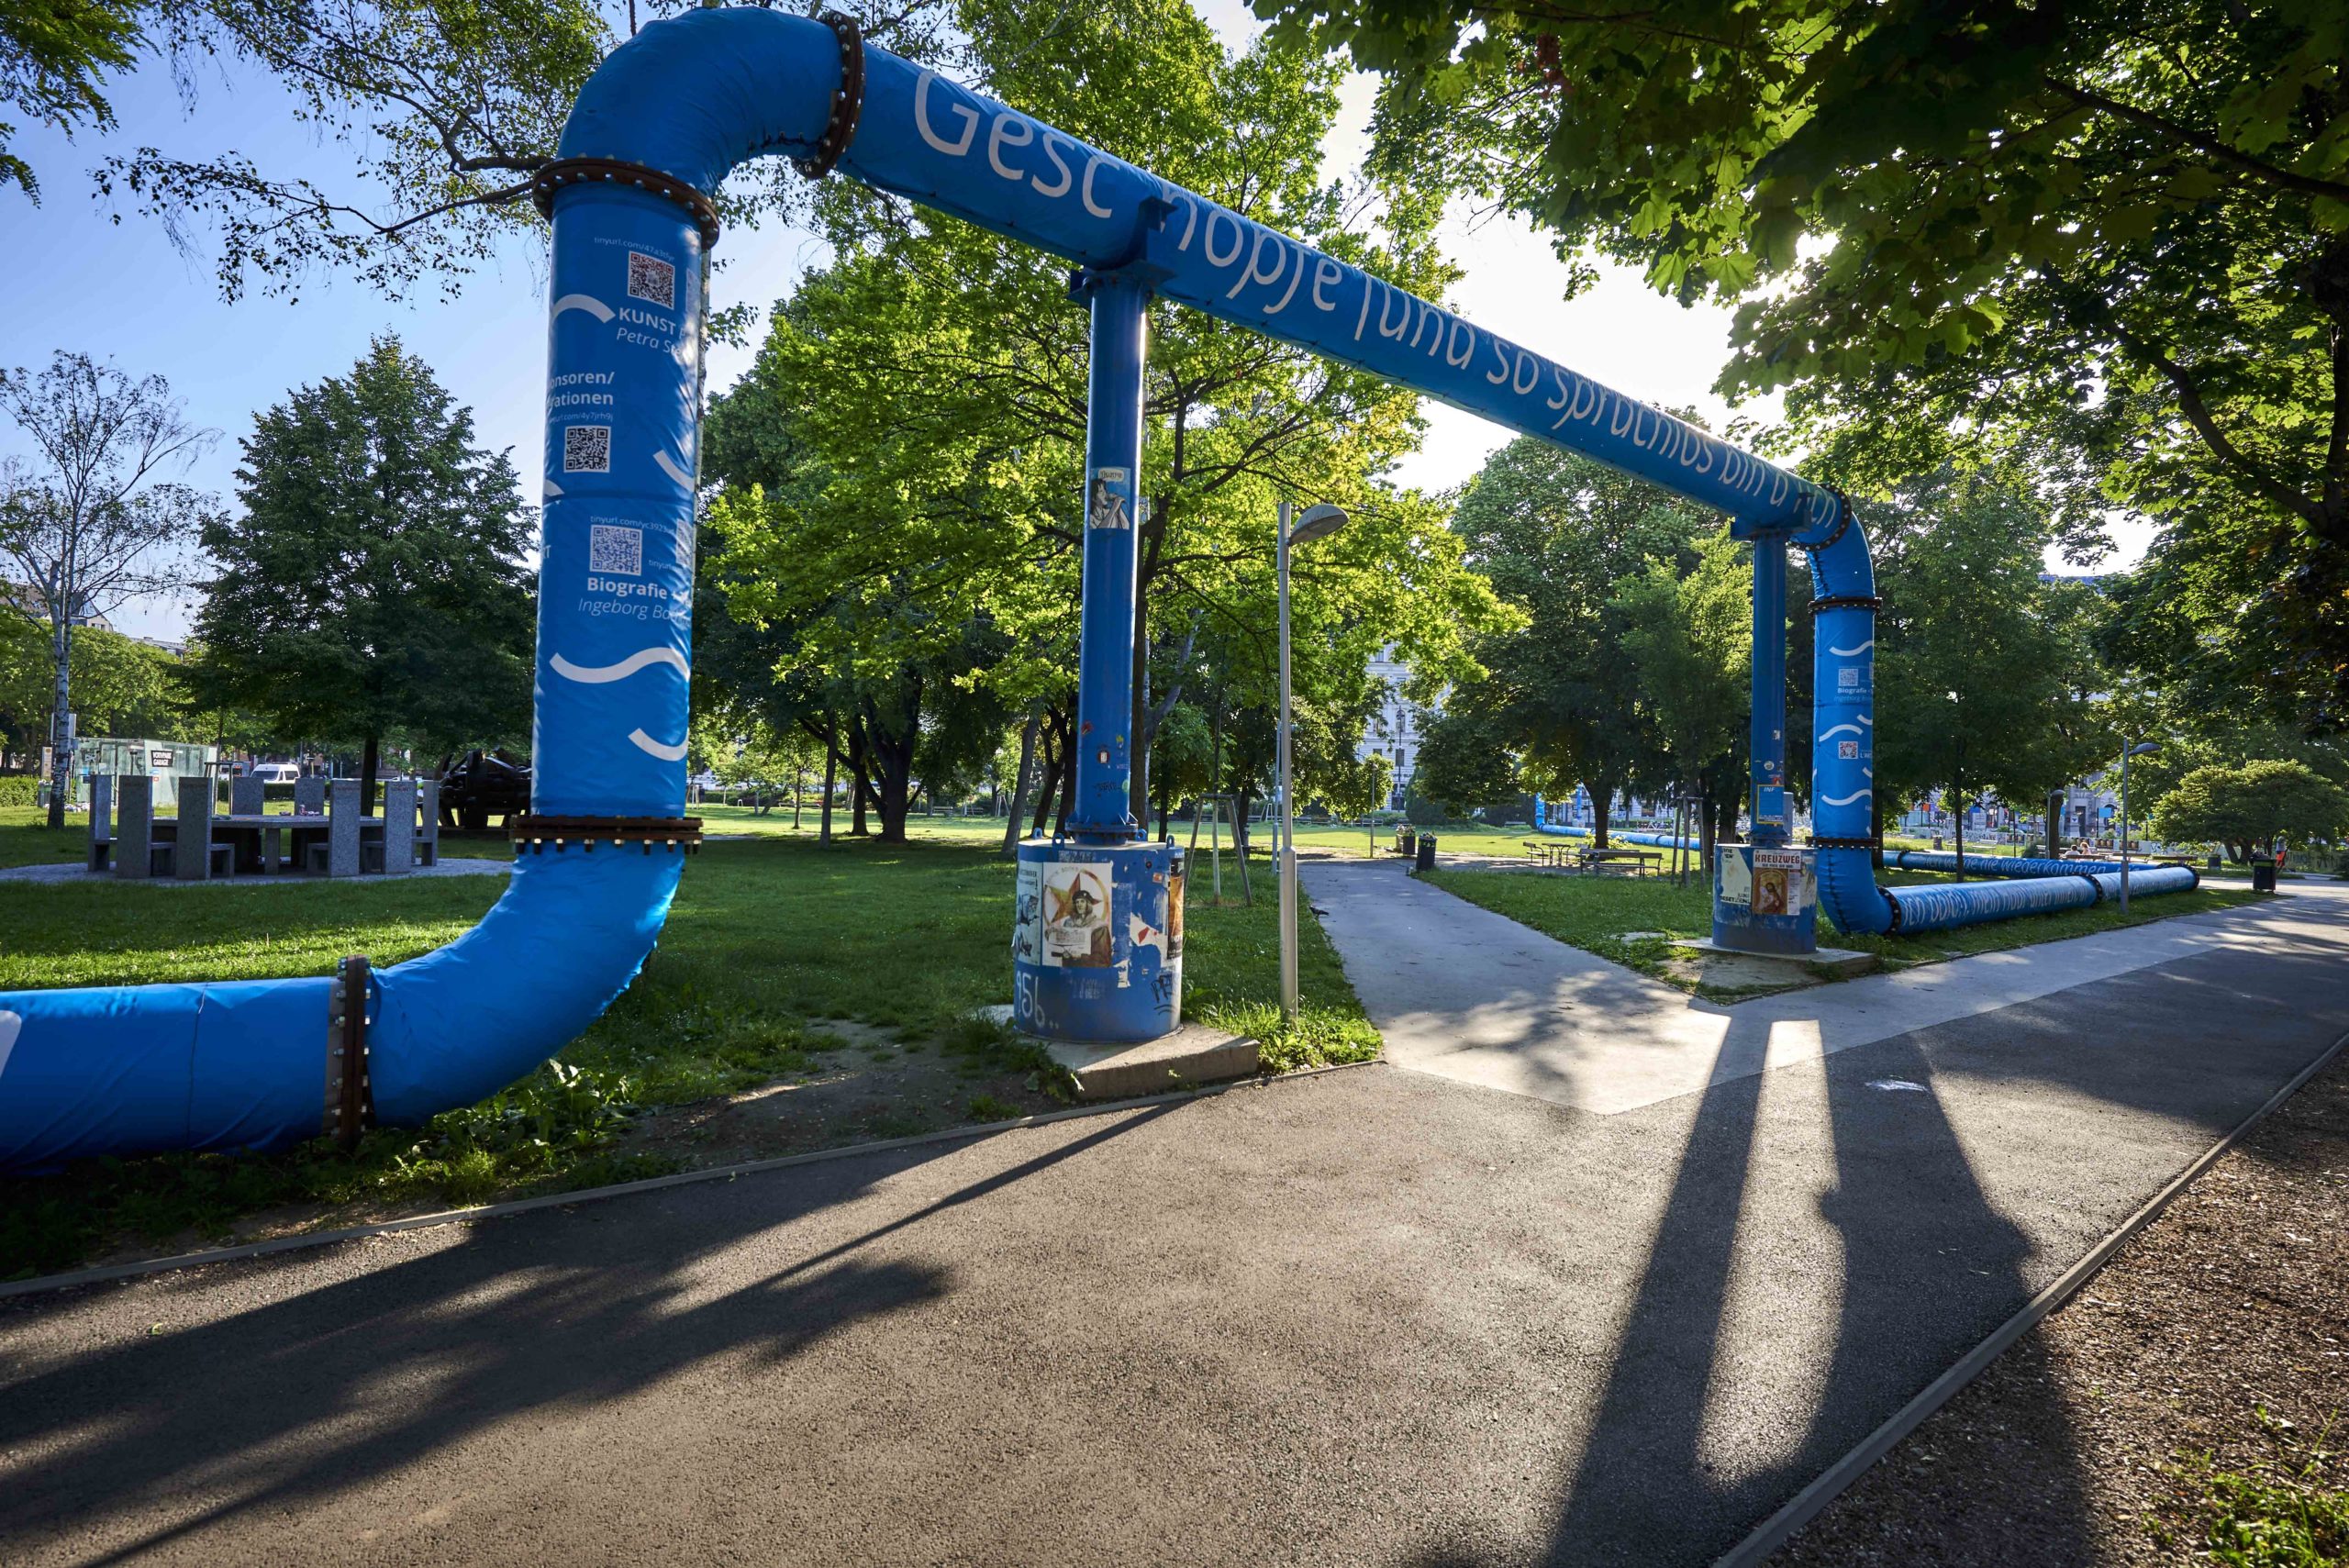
[[1766, 899], [1097, 941]]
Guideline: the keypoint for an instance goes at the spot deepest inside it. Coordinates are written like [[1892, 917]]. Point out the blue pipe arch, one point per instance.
[[253, 1065]]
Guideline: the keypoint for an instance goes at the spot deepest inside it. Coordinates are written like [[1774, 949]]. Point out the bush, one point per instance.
[[1422, 812], [19, 789]]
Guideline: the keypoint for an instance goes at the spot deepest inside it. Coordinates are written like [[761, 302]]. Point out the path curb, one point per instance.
[[111, 1271], [1806, 1505]]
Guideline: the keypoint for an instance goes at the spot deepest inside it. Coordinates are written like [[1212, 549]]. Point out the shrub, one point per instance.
[[19, 789]]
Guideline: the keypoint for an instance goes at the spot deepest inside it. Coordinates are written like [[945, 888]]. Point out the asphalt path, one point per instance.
[[1377, 1317]]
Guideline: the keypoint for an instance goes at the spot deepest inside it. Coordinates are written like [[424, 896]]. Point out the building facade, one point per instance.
[[1396, 729]]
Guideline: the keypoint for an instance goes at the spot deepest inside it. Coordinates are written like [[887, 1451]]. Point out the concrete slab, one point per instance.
[[1467, 993], [1195, 1053], [1839, 963], [1367, 1319]]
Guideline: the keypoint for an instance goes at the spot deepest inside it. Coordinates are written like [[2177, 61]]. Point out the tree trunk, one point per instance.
[[60, 646], [824, 821], [1019, 782], [1602, 800], [798, 787], [1956, 815], [1068, 782], [1138, 725], [368, 761], [858, 763], [1707, 836]]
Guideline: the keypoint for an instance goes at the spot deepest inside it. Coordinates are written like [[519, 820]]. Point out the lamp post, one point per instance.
[[2137, 749], [1319, 522]]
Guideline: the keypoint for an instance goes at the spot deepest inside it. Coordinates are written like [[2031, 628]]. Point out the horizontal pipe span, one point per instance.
[[732, 82], [1993, 865], [1644, 839]]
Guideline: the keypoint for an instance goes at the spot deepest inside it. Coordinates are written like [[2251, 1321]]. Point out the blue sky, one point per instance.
[[100, 278]]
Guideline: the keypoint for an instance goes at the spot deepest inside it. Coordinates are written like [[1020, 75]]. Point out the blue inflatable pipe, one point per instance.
[[253, 1065], [2002, 865]]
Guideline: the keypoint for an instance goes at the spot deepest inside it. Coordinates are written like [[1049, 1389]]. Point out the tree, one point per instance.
[[1556, 534], [1983, 675], [53, 58], [2247, 809], [376, 581], [2112, 234], [121, 687], [1688, 641], [449, 108], [93, 524]]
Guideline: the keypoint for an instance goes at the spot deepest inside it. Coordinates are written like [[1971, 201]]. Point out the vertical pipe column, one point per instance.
[[615, 573], [1766, 743], [1096, 946], [1105, 660]]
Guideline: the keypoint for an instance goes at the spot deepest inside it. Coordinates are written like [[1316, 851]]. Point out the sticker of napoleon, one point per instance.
[[1105, 506]]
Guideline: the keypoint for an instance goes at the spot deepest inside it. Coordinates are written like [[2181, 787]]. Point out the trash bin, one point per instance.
[[1410, 837], [1427, 856], [2263, 876]]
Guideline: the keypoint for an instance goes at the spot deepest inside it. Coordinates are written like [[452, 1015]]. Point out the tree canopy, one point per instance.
[[2251, 806], [1557, 535], [376, 582], [2111, 236]]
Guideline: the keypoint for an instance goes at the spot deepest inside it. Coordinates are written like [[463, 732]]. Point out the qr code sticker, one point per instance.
[[615, 550], [653, 279], [587, 448], [1847, 750], [1847, 677]]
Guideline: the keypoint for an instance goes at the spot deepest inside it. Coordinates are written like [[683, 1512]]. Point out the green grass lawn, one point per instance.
[[770, 937], [1595, 912]]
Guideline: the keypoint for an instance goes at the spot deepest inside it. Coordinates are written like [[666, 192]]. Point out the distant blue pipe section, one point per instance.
[[2002, 865], [245, 1065]]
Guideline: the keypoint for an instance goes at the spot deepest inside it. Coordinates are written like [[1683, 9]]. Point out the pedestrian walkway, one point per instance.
[[1462, 992]]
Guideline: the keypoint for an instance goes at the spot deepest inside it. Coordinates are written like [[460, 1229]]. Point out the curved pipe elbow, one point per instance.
[[462, 1022]]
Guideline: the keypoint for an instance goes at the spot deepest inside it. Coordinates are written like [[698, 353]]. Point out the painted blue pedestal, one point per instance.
[[1766, 899], [1097, 947]]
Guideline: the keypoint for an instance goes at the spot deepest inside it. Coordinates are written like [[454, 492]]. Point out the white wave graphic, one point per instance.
[[1852, 652], [9, 1024], [1830, 734], [586, 302], [669, 466], [648, 745], [602, 675], [553, 488], [1846, 800]]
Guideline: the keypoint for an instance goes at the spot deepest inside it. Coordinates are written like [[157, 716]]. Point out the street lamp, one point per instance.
[[2137, 749], [1319, 522]]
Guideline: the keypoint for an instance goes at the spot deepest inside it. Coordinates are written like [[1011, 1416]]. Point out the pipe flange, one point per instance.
[[351, 1099], [1847, 602], [566, 172], [534, 835], [1816, 842], [848, 102], [1842, 521]]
